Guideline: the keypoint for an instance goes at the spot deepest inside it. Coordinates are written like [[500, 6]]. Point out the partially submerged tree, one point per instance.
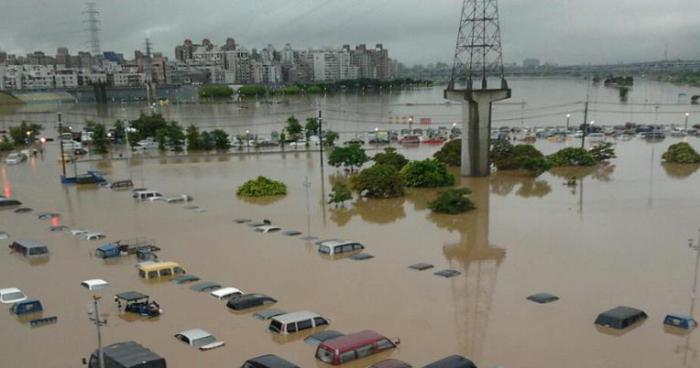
[[294, 129], [100, 138], [681, 153], [571, 156], [453, 201], [390, 157], [427, 174], [379, 181], [329, 138], [339, 195], [451, 153], [262, 187], [603, 151], [505, 156], [350, 157]]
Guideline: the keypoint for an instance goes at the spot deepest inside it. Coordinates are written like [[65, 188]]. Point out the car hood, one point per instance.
[[213, 345]]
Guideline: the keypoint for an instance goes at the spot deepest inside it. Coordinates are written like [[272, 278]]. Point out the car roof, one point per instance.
[[267, 314], [225, 291], [95, 282], [30, 243], [295, 316], [107, 246], [273, 361], [194, 334], [131, 295], [684, 317], [390, 363], [157, 265], [130, 354], [452, 361], [325, 335], [9, 290], [622, 313], [352, 340], [252, 297], [205, 285]]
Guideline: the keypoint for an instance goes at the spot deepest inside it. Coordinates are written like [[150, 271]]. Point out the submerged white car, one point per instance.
[[225, 293], [15, 158], [267, 229], [199, 338], [11, 295]]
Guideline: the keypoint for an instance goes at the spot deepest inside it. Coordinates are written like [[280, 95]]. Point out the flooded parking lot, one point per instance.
[[617, 238]]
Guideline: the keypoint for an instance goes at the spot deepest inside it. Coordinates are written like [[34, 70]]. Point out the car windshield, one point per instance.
[[324, 355], [204, 341], [13, 296]]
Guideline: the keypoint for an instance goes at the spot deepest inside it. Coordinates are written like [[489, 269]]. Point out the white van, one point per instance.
[[333, 247], [144, 195], [296, 322]]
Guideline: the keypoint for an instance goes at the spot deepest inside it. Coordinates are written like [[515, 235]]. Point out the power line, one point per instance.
[[93, 27]]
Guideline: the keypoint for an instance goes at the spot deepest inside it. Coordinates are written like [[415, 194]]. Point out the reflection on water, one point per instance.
[[503, 183], [601, 172], [680, 171], [374, 211]]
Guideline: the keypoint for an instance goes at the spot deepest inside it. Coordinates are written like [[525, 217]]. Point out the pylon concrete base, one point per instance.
[[476, 127]]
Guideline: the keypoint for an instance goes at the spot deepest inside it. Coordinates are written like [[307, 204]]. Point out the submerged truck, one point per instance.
[[129, 354]]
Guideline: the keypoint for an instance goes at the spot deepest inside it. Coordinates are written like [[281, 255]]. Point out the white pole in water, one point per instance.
[[307, 184], [696, 248]]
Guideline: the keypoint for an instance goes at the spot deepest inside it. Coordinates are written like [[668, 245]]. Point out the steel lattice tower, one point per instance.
[[93, 27], [478, 54]]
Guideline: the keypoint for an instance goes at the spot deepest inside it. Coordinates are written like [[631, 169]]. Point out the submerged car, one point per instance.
[[296, 322], [199, 338], [267, 229], [322, 336], [11, 295], [15, 158], [127, 354], [226, 293], [268, 361], [94, 284], [138, 303], [620, 318], [452, 361], [333, 247], [249, 301], [353, 346]]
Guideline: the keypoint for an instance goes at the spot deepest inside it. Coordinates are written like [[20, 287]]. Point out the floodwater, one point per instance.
[[617, 238], [535, 102]]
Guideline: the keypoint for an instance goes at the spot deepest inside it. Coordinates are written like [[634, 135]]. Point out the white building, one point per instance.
[[129, 79]]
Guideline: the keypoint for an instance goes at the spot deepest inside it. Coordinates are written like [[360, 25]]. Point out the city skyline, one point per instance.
[[575, 32]]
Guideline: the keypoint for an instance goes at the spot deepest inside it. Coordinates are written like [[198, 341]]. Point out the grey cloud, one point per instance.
[[415, 31]]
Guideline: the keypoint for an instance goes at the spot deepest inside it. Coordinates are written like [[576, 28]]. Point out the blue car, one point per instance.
[[110, 250], [680, 321]]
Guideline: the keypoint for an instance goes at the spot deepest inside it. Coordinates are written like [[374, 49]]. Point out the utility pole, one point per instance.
[[95, 318], [687, 115], [585, 124], [696, 248], [308, 237], [60, 142], [320, 137]]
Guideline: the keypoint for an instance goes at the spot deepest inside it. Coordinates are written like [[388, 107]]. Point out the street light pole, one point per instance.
[[568, 118], [98, 323], [687, 115]]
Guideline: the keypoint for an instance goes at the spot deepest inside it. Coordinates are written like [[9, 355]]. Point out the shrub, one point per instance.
[[572, 157], [215, 91], [450, 153], [520, 157], [252, 91], [379, 181], [262, 187], [390, 157], [427, 174], [453, 201], [681, 153], [340, 194]]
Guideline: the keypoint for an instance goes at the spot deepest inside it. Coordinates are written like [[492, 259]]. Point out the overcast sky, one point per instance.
[[415, 31]]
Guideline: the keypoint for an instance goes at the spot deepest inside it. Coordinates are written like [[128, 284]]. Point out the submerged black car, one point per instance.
[[249, 301]]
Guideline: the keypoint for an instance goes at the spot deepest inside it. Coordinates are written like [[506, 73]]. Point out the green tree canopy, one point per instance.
[[427, 174], [262, 187], [451, 153], [350, 157], [603, 151], [340, 194], [193, 138], [294, 128], [24, 133], [520, 157], [100, 138], [379, 181], [221, 140], [390, 157], [571, 156], [681, 153], [312, 127], [329, 137], [215, 91]]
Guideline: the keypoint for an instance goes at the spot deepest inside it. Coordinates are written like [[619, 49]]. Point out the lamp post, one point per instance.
[[95, 318], [687, 115], [585, 130], [696, 248], [568, 118], [247, 140]]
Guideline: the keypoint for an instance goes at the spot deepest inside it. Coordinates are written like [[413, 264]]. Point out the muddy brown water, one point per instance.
[[619, 237]]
